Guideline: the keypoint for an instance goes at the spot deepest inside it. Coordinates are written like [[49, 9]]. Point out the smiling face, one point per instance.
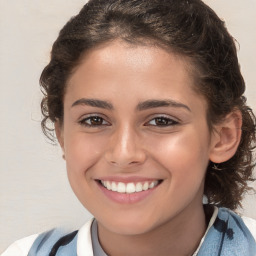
[[133, 123]]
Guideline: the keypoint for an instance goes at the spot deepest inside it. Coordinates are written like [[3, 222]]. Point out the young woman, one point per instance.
[[146, 97]]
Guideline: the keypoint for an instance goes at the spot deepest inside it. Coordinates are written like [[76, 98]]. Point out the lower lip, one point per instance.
[[126, 198]]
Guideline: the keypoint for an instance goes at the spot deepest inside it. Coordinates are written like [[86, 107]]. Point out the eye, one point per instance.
[[94, 121], [162, 121]]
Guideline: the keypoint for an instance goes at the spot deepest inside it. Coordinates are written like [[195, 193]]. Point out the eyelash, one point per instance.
[[90, 118], [167, 121]]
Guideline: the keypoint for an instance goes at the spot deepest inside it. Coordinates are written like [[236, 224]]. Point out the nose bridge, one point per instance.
[[124, 147], [126, 137]]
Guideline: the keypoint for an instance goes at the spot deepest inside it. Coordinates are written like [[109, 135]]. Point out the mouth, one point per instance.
[[129, 188]]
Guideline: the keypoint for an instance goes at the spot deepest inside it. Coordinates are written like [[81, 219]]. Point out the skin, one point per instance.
[[127, 142]]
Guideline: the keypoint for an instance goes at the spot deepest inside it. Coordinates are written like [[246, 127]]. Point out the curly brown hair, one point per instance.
[[186, 27]]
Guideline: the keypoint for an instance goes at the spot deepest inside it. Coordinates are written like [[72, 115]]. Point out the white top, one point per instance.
[[84, 240]]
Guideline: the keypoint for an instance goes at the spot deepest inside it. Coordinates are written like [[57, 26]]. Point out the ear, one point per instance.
[[59, 133], [226, 137]]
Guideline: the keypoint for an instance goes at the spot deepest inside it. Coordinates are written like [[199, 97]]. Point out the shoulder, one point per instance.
[[20, 247], [250, 224], [242, 221], [53, 240], [230, 234], [84, 240]]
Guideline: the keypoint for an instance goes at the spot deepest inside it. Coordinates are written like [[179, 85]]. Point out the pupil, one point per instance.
[[96, 120], [161, 121]]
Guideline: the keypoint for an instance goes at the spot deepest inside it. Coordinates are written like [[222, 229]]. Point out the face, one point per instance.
[[135, 137]]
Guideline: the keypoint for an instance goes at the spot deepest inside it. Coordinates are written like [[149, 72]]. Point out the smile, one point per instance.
[[129, 188]]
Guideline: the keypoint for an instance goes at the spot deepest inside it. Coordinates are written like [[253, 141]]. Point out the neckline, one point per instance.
[[210, 223], [98, 250]]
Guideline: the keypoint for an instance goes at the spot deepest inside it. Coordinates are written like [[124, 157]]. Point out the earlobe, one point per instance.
[[59, 134], [226, 138]]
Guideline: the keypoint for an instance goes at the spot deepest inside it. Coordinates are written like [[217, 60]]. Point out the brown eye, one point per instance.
[[162, 121], [93, 121]]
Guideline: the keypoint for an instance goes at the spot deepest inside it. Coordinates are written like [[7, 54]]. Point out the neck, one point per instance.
[[178, 236]]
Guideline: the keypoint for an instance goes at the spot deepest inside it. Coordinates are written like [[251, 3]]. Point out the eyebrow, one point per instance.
[[161, 103], [93, 103], [140, 107]]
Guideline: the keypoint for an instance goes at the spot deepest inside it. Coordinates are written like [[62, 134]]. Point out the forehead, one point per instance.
[[118, 68], [136, 56]]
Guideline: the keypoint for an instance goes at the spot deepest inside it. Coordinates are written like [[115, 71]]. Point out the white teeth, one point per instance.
[[139, 187], [145, 186], [151, 185], [108, 185], [121, 187], [114, 186], [129, 188]]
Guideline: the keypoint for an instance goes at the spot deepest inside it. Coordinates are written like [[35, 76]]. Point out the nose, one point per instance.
[[125, 149]]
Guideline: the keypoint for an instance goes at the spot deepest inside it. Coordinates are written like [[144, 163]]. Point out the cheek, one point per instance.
[[183, 154], [82, 151]]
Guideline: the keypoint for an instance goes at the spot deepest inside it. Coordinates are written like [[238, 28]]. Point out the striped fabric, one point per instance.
[[228, 236], [54, 243]]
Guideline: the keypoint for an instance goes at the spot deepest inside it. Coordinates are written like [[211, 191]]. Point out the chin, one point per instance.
[[128, 225], [129, 229]]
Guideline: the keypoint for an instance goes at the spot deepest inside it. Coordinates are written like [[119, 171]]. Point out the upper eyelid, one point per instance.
[[85, 116], [83, 121], [169, 119], [175, 119], [149, 118], [173, 122]]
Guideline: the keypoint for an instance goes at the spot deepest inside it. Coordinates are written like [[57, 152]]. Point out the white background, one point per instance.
[[34, 191]]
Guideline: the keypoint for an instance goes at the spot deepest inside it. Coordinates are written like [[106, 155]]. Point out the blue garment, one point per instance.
[[54, 243], [228, 236]]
